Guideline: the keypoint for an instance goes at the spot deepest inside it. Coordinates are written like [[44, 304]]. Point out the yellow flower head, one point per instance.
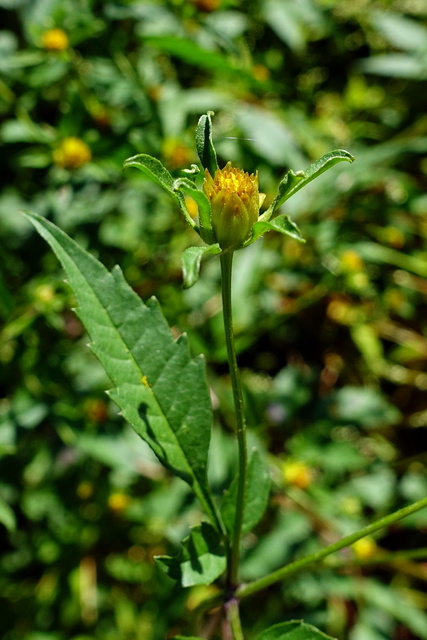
[[55, 40], [72, 153], [298, 474], [235, 203]]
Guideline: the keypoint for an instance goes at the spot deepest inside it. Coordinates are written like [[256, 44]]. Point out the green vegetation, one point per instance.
[[330, 334]]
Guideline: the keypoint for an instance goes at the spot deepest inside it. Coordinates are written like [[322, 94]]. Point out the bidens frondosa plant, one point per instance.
[[228, 199], [162, 391]]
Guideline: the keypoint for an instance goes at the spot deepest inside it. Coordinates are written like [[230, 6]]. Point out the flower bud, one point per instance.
[[235, 203]]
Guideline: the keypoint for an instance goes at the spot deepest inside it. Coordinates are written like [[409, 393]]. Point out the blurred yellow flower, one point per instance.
[[260, 72], [297, 473], [351, 261], [55, 40], [176, 154], [72, 153], [119, 501], [365, 548]]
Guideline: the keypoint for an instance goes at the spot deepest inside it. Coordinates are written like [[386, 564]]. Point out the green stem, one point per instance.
[[298, 565], [233, 616], [380, 557], [226, 270]]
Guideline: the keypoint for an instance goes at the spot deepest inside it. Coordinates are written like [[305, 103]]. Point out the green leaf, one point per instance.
[[294, 181], [203, 205], [7, 516], [202, 558], [282, 224], [204, 144], [154, 170], [395, 65], [293, 630], [191, 259], [257, 494], [199, 57], [160, 389]]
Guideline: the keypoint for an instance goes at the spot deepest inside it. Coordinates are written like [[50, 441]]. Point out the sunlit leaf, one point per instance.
[[294, 181], [204, 144], [160, 389]]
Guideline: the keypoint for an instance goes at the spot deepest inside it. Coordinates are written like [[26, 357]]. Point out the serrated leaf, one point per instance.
[[293, 630], [204, 144], [160, 389], [202, 558], [282, 224], [191, 259], [202, 203], [154, 170], [257, 494], [294, 181]]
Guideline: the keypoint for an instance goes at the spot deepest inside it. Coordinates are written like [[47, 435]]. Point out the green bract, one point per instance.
[[229, 203]]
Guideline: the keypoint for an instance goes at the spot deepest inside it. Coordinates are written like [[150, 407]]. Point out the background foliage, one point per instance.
[[332, 334]]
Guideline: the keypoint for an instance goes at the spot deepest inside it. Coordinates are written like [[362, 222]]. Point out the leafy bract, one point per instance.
[[294, 181], [191, 259], [293, 630], [282, 224], [154, 170], [257, 493], [204, 144], [160, 389], [201, 560]]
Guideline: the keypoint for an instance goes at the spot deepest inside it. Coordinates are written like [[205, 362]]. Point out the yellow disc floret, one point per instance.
[[235, 203], [72, 153], [55, 40]]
